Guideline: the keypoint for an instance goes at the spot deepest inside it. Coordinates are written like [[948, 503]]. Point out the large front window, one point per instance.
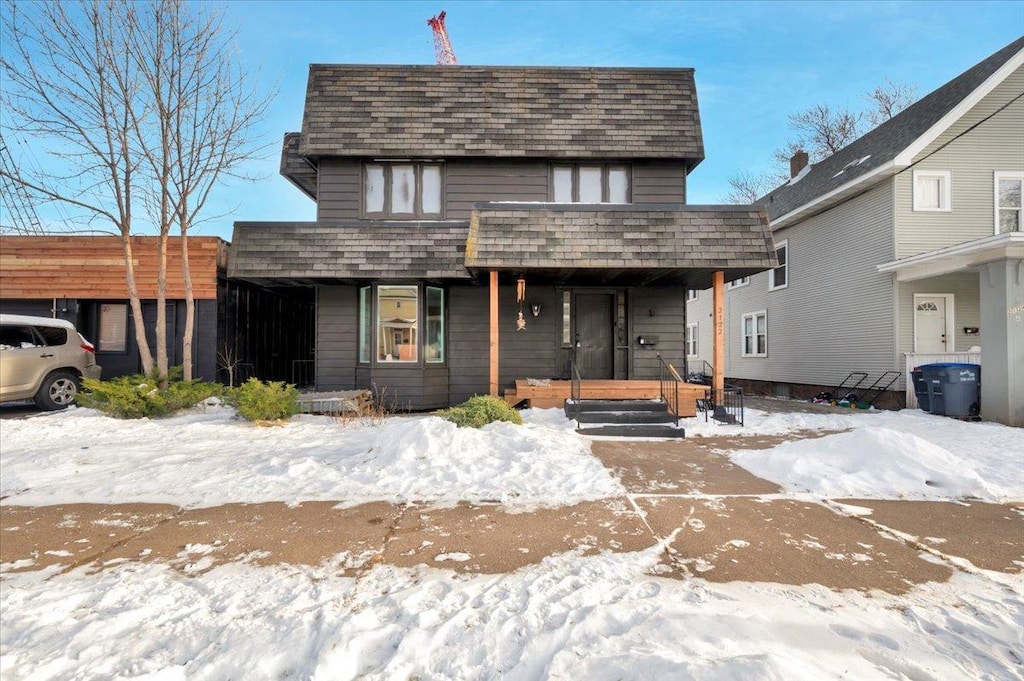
[[397, 323], [402, 190], [590, 184], [389, 319], [1009, 204]]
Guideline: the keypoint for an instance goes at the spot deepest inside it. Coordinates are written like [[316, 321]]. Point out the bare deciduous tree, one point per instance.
[[148, 104], [68, 84], [820, 131]]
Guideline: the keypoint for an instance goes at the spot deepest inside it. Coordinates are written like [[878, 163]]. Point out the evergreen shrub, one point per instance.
[[138, 396], [479, 411], [271, 401]]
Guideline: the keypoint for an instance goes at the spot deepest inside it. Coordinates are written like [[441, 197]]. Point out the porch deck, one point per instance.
[[554, 393]]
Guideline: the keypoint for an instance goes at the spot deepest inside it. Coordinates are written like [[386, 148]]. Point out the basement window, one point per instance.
[[590, 184], [402, 190]]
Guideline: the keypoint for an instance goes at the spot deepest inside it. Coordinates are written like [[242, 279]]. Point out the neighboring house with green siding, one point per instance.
[[903, 248]]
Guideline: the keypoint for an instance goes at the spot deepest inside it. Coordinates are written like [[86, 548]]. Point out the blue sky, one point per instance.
[[755, 62]]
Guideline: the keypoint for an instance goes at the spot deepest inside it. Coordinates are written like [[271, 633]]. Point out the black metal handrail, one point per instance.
[[724, 406], [701, 373], [575, 388], [669, 381]]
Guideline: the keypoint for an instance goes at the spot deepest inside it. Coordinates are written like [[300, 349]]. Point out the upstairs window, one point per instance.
[[779, 277], [736, 283], [590, 184], [1009, 206], [932, 190], [402, 190]]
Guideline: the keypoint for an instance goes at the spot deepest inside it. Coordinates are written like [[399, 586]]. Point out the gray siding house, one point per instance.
[[901, 249], [479, 225]]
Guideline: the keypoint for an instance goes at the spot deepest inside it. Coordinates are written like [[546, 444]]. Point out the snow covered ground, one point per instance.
[[568, 617], [210, 457]]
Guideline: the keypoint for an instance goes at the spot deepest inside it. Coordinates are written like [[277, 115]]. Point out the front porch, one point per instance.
[[553, 394]]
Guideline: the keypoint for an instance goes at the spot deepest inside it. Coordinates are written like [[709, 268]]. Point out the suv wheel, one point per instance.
[[57, 391]]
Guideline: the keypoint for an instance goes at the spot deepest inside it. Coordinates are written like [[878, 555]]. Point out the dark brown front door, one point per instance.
[[594, 337]]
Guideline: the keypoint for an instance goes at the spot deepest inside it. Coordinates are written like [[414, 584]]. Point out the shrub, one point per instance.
[[258, 401], [135, 397], [479, 411]]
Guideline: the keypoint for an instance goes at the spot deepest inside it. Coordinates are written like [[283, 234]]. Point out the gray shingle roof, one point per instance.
[[294, 166], [884, 143], [550, 112], [654, 237], [350, 250]]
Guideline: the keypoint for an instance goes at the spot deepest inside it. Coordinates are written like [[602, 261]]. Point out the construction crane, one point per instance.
[[443, 52]]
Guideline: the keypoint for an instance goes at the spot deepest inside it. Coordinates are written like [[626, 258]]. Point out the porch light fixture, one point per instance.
[[535, 308]]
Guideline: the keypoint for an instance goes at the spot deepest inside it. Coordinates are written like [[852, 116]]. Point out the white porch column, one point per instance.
[[1002, 341]]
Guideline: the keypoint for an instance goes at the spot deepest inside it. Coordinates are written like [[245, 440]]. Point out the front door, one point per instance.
[[594, 334], [930, 325]]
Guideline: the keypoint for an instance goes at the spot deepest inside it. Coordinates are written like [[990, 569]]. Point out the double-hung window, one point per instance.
[[932, 190], [1009, 206], [779, 277], [402, 190], [691, 294], [755, 334], [590, 184], [691, 339]]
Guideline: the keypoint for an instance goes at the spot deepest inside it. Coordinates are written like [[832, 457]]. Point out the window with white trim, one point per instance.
[[691, 294], [779, 277], [755, 334], [932, 190], [590, 184], [402, 189], [691, 339], [1009, 205], [736, 283]]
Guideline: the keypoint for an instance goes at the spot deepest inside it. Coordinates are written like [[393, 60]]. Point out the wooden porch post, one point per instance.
[[494, 333], [718, 321]]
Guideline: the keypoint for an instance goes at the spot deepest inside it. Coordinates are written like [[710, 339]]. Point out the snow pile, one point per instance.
[[208, 458], [894, 455], [569, 617]]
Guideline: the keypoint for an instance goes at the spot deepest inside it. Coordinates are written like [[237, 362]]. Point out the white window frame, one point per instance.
[[691, 295], [945, 191], [743, 338], [691, 340], [1005, 175], [737, 283], [782, 245]]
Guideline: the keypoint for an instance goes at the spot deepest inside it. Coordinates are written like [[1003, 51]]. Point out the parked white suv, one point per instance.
[[43, 359]]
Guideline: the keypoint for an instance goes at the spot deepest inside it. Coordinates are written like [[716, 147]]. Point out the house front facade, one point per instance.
[[903, 248], [481, 225]]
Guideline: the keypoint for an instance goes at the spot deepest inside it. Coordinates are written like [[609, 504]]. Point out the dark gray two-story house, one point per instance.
[[482, 225]]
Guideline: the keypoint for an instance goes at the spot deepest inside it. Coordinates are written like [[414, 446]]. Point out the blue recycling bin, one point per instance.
[[953, 389]]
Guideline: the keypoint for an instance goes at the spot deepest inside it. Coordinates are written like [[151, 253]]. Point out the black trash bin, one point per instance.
[[920, 389], [953, 389]]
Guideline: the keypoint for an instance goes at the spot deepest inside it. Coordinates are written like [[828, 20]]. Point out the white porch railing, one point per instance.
[[916, 359]]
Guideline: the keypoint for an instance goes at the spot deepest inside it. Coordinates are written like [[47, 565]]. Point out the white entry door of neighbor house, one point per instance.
[[933, 323]]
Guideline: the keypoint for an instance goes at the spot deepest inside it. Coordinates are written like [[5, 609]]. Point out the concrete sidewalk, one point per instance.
[[724, 524]]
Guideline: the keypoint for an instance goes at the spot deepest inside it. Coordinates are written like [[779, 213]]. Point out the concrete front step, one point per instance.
[[633, 430], [625, 417]]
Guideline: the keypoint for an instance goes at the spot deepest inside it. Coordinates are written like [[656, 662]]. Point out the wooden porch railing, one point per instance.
[[916, 359]]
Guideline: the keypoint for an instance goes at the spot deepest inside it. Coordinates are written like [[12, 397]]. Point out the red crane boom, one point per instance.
[[443, 52]]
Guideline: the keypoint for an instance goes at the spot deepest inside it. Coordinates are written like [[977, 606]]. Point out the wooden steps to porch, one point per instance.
[[554, 393]]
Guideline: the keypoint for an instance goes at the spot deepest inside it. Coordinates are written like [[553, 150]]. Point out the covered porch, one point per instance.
[[984, 319]]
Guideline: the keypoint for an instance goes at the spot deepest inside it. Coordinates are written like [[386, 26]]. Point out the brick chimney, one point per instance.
[[797, 162]]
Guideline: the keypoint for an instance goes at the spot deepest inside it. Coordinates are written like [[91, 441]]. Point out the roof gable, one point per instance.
[[543, 112], [892, 144]]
